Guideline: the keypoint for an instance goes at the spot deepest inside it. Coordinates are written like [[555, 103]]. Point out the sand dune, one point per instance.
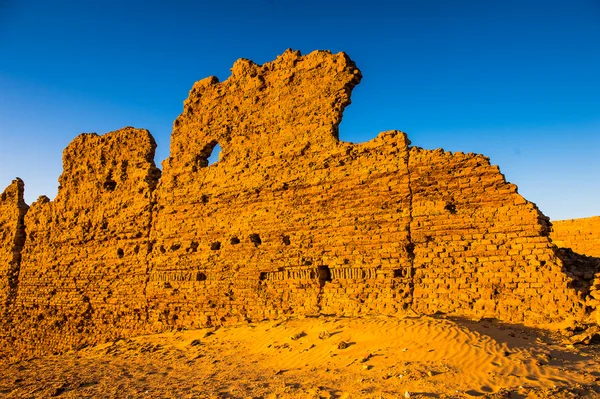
[[323, 357]]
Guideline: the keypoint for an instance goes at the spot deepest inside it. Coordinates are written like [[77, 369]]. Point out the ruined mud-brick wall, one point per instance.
[[12, 238], [581, 235], [84, 267], [289, 221]]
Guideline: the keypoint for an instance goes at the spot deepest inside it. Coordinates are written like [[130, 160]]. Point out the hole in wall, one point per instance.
[[401, 273], [234, 241], [324, 273], [200, 276], [450, 207], [410, 250], [285, 239], [215, 246], [110, 185], [215, 155], [209, 155], [120, 253], [193, 247], [255, 239]]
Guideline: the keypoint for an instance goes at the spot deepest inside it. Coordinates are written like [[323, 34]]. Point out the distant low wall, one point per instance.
[[581, 235]]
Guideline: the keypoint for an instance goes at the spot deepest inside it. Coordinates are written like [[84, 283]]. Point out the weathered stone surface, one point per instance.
[[290, 220], [581, 235]]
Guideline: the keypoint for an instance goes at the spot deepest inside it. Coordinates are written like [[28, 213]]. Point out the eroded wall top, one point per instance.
[[281, 107]]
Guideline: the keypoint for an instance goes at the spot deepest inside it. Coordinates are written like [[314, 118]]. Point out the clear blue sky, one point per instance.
[[518, 81]]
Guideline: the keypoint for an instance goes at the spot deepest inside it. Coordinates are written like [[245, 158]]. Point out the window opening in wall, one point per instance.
[[215, 155]]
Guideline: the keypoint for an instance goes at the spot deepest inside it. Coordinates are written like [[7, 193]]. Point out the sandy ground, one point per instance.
[[322, 357]]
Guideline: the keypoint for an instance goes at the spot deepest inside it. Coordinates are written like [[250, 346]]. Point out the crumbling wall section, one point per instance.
[[84, 263], [581, 235], [12, 238]]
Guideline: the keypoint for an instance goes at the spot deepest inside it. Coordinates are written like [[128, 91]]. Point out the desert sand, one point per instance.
[[320, 357]]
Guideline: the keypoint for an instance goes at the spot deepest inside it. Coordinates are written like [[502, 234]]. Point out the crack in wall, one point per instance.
[[411, 245], [155, 178], [324, 276], [148, 256]]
